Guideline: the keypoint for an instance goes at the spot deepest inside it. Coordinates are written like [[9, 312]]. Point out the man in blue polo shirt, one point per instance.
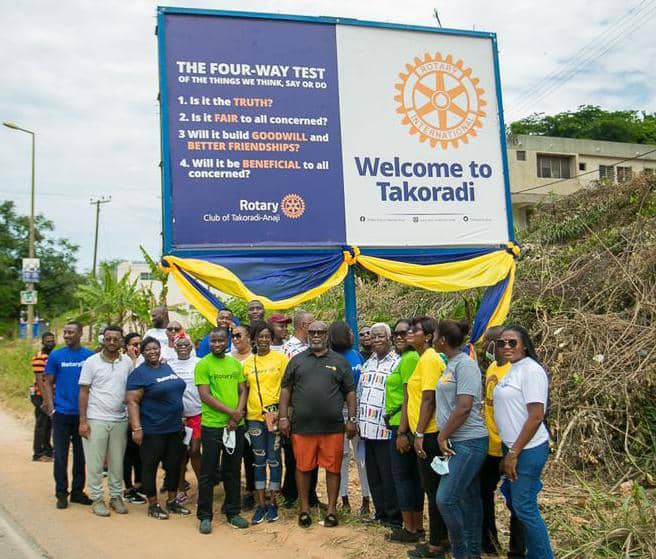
[[63, 369]]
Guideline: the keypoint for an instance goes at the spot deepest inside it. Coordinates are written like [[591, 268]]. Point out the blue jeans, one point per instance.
[[459, 497], [524, 495], [266, 452]]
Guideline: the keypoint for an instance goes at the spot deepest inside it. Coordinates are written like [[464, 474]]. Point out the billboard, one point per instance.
[[288, 131]]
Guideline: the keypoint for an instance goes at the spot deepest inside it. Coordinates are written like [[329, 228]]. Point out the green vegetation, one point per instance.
[[16, 375], [58, 277], [592, 123]]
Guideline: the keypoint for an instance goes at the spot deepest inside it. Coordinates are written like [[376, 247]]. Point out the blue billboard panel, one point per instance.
[[251, 132]]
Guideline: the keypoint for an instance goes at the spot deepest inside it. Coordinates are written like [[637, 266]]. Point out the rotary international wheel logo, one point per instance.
[[440, 100], [293, 206]]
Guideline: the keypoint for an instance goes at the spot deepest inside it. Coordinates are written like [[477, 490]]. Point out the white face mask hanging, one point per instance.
[[440, 465], [229, 440]]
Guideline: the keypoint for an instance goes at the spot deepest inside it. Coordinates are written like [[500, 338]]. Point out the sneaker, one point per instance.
[[157, 512], [118, 505], [272, 513], [176, 508], [258, 517], [247, 502], [401, 535], [81, 498], [237, 521], [205, 526], [132, 496], [99, 508], [62, 501]]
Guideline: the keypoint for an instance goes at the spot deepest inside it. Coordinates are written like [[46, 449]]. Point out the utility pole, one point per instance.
[[29, 285], [97, 202]]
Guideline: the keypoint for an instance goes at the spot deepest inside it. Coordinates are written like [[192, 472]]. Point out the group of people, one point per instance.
[[412, 408]]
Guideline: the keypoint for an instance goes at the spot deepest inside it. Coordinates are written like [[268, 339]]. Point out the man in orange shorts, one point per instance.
[[316, 383]]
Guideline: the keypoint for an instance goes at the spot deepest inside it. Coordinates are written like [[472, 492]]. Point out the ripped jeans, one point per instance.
[[266, 452]]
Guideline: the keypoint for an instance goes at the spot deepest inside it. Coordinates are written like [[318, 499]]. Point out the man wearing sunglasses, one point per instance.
[[489, 474], [316, 383]]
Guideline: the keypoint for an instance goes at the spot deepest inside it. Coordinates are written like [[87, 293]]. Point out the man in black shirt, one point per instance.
[[316, 383]]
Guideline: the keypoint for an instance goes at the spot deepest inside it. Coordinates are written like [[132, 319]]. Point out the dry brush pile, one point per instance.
[[587, 289]]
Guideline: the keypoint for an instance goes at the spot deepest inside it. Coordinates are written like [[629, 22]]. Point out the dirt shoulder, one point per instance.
[[27, 498]]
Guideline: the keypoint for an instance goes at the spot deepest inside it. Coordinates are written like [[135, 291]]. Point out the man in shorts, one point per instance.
[[317, 381]]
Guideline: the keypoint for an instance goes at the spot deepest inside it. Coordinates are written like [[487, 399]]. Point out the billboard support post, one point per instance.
[[351, 304]]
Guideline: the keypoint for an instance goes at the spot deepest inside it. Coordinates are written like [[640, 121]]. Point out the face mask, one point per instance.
[[440, 465], [229, 440]]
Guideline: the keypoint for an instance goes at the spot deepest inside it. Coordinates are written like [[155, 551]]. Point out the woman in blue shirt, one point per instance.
[[154, 397], [340, 339]]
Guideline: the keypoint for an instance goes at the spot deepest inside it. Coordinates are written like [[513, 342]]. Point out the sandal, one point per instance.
[[304, 520], [330, 521]]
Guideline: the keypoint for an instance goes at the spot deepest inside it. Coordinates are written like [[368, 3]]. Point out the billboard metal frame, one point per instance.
[[162, 12]]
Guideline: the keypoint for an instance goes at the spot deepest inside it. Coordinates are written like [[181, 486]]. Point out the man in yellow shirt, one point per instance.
[[489, 474]]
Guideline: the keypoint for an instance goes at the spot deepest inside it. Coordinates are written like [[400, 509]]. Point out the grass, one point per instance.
[[16, 375]]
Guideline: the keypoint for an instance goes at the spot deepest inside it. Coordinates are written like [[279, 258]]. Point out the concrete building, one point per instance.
[[175, 300], [538, 164]]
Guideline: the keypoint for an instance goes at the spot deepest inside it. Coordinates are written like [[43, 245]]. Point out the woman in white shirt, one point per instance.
[[520, 400], [183, 365]]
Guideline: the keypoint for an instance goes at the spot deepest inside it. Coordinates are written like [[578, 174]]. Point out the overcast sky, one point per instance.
[[83, 75]]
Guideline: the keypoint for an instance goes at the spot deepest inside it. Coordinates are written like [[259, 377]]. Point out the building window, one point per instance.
[[624, 174], [607, 172], [145, 276], [553, 167], [648, 171], [521, 155], [581, 166]]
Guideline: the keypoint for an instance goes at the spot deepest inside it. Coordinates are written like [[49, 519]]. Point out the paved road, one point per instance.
[[14, 543]]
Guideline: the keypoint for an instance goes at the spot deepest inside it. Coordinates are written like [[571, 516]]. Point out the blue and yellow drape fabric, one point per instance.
[[285, 279]]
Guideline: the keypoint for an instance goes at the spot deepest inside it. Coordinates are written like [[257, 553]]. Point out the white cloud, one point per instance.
[[83, 75]]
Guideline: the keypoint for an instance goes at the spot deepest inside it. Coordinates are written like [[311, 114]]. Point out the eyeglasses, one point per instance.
[[400, 333], [512, 344], [173, 329], [236, 336], [317, 332]]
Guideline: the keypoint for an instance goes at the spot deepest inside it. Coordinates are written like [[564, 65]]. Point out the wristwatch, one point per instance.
[[419, 435], [283, 419], [353, 419]]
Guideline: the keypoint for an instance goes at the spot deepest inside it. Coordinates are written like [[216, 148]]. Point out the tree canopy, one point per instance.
[[592, 123], [59, 279]]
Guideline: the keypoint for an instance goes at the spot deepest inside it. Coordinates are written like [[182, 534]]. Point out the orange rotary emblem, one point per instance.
[[293, 206], [440, 100]]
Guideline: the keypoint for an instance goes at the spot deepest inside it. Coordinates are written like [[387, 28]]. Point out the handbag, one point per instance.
[[270, 413]]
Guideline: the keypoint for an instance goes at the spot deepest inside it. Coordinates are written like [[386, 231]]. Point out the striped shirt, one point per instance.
[[39, 366]]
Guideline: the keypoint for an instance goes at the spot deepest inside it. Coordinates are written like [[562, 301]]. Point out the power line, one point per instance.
[[528, 92], [631, 21], [581, 174]]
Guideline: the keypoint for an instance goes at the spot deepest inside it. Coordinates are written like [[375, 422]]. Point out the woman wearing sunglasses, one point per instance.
[[520, 400], [242, 348]]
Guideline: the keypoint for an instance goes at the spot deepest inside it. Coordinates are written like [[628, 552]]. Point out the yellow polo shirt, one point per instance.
[[493, 375], [428, 371]]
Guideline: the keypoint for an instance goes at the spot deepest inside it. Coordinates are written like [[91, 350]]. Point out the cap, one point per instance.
[[279, 319]]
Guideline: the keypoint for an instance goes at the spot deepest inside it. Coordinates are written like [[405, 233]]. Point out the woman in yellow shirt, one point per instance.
[[421, 423], [264, 371]]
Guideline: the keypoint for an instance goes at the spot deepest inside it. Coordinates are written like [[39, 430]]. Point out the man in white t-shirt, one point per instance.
[[104, 420], [160, 319]]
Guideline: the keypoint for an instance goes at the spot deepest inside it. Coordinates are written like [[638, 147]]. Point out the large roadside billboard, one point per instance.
[[307, 132]]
